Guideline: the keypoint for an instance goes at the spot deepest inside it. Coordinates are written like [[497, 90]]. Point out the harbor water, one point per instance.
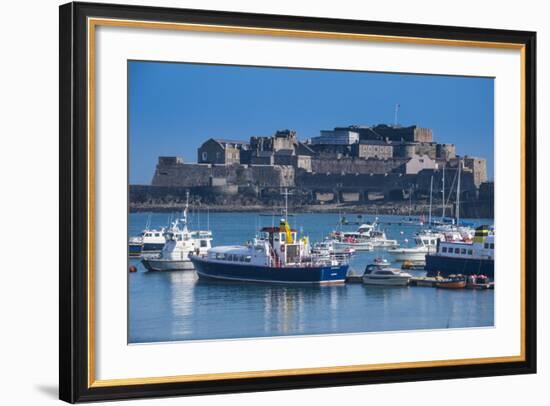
[[177, 306]]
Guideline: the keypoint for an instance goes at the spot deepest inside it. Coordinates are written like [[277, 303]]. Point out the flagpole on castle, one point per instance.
[[395, 114]]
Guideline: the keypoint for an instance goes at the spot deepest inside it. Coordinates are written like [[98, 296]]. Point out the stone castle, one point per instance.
[[354, 164]]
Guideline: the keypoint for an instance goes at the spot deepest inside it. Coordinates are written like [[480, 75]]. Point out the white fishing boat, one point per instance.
[[365, 238], [380, 273], [328, 247], [379, 240], [425, 243], [180, 244], [352, 240]]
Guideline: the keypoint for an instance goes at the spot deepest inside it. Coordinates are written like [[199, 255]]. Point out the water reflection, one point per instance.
[[279, 309]]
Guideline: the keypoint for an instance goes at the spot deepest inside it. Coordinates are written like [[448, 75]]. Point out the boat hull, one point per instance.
[[341, 246], [391, 281], [150, 247], [446, 266], [134, 250], [451, 285], [413, 256], [154, 264], [253, 273]]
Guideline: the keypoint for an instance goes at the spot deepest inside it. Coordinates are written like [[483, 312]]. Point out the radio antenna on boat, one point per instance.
[[286, 193]]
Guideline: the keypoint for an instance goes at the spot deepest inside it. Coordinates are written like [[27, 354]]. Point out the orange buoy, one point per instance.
[[132, 269]]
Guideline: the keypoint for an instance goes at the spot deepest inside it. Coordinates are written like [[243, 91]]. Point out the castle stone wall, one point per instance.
[[192, 175]]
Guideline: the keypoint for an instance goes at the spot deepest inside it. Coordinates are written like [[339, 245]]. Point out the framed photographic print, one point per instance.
[[258, 202]]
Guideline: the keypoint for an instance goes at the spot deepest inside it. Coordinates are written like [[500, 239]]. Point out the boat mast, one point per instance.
[[186, 208], [286, 193], [458, 193], [410, 201], [430, 212], [443, 191]]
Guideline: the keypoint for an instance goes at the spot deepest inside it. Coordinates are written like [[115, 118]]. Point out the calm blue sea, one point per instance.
[[175, 306]]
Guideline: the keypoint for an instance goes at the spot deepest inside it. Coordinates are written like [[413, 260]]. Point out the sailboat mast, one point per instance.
[[458, 193], [430, 212], [410, 201], [186, 208], [443, 191]]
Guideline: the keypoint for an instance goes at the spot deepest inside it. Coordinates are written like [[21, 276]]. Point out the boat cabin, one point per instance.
[[484, 249]]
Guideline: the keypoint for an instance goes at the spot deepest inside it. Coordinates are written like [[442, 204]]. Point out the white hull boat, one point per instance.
[[425, 243], [366, 238], [383, 243], [159, 264], [386, 281], [357, 246], [180, 244], [415, 255]]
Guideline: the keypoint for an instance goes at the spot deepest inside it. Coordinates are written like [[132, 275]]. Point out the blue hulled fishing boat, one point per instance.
[[276, 255]]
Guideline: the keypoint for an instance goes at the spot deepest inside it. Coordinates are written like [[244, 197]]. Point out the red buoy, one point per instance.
[[132, 269]]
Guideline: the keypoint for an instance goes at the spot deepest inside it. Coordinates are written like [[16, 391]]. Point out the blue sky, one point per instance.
[[174, 107]]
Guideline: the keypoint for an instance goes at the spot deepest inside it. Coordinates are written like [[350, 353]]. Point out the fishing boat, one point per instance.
[[380, 273], [452, 282], [327, 247], [276, 255], [365, 238], [425, 243], [352, 240], [180, 243], [474, 257], [149, 242]]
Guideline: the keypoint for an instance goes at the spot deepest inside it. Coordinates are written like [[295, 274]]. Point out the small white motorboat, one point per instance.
[[425, 243], [380, 273]]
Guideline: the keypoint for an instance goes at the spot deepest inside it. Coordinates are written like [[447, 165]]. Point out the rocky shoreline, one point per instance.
[[394, 208]]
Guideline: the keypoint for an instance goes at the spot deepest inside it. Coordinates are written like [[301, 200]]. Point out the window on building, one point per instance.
[[457, 250], [492, 246], [444, 249], [204, 243], [470, 252], [204, 155], [486, 246], [463, 251]]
